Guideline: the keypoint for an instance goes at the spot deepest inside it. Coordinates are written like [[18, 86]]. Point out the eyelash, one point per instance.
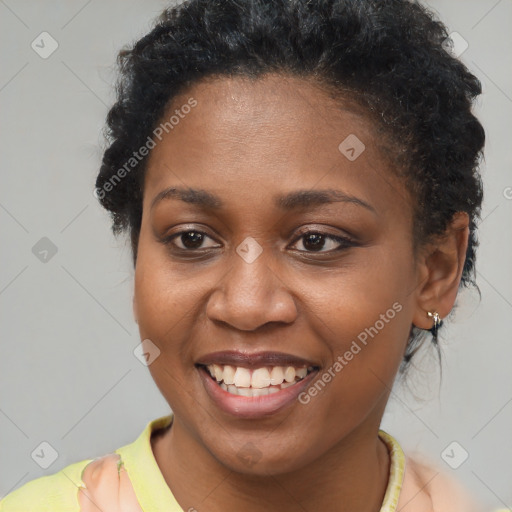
[[344, 242]]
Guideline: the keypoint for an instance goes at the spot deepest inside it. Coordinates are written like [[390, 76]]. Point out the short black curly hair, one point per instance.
[[390, 57]]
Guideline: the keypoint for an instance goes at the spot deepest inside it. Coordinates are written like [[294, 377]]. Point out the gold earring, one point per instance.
[[437, 323]]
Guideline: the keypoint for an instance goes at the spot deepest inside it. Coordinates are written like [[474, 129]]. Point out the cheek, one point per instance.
[[163, 297], [170, 304], [369, 293], [364, 317], [166, 305]]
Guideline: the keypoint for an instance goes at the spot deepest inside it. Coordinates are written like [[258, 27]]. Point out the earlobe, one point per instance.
[[441, 272]]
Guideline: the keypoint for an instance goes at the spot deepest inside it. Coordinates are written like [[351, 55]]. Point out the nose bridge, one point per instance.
[[251, 294], [251, 277]]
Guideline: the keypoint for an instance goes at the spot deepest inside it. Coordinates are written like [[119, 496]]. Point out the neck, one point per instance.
[[353, 475]]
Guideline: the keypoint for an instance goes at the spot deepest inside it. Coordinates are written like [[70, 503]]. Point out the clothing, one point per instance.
[[129, 480]]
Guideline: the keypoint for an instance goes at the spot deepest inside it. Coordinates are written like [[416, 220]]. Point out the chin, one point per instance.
[[260, 458]]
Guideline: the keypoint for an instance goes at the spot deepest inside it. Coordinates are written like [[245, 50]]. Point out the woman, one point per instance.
[[299, 182]]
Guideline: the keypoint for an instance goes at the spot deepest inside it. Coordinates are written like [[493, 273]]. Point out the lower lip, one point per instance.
[[256, 406]]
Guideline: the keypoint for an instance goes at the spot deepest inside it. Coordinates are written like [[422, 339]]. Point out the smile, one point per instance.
[[256, 382], [257, 385]]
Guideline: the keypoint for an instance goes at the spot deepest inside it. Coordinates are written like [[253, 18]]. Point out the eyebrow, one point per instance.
[[291, 201]]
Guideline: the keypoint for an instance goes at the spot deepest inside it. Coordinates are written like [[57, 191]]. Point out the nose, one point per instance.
[[251, 295]]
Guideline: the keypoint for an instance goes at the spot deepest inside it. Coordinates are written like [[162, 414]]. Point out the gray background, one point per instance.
[[68, 375]]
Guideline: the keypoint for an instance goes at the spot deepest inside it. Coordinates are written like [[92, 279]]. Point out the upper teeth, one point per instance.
[[258, 378]]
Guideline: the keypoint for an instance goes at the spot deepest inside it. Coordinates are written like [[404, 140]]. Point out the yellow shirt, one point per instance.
[[110, 484]]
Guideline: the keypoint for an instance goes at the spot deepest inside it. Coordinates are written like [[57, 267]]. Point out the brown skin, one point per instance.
[[245, 142]]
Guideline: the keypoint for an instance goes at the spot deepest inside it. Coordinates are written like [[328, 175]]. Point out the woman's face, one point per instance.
[[228, 274]]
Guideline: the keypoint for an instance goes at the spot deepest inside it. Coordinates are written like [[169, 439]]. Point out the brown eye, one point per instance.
[[191, 239], [188, 240], [314, 241]]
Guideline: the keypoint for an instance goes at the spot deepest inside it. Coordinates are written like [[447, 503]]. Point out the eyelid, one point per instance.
[[322, 230]]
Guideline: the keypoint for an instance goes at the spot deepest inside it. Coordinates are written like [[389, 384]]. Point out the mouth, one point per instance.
[[254, 385], [262, 381]]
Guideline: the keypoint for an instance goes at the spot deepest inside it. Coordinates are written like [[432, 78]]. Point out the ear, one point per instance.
[[135, 315], [439, 271]]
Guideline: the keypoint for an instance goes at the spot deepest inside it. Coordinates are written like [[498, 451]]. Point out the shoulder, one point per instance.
[[91, 484], [427, 486], [100, 481], [50, 493]]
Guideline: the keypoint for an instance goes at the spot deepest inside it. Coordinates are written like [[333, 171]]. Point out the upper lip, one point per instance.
[[253, 360]]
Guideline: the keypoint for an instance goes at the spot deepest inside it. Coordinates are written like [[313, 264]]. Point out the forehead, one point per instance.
[[261, 135]]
